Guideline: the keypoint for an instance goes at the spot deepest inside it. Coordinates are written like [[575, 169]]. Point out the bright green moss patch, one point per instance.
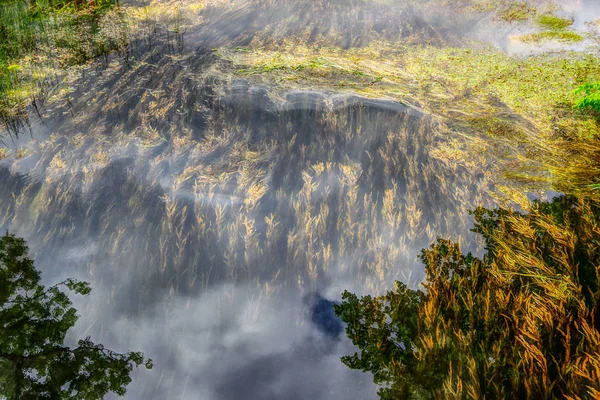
[[561, 36], [556, 29], [590, 96], [553, 22]]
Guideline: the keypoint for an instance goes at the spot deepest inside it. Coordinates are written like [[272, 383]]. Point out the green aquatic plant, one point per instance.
[[520, 322], [560, 35], [589, 96], [553, 22]]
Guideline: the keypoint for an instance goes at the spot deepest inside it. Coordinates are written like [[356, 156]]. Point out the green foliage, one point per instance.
[[521, 322], [589, 96], [45, 35], [553, 22], [386, 344], [34, 363], [560, 35]]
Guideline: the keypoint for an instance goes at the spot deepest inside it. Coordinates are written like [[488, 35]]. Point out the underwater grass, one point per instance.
[[285, 200], [520, 322], [41, 41], [475, 91]]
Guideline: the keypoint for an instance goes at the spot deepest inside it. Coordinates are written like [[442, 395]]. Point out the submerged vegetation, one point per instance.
[[39, 39], [288, 146], [520, 322], [480, 93]]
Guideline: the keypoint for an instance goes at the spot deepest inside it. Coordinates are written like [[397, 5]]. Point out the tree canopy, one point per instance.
[[34, 362], [521, 322]]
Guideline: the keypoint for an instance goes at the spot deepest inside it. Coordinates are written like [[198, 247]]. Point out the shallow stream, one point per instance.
[[210, 213]]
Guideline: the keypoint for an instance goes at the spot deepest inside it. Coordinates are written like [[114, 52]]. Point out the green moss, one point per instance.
[[553, 22], [561, 36], [590, 96]]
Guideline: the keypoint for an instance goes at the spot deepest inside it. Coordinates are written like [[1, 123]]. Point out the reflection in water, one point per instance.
[[207, 212], [233, 224]]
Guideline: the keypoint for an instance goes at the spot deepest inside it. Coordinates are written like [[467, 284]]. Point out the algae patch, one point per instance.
[[553, 22]]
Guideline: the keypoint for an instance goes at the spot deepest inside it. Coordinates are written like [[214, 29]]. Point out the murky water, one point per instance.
[[208, 214]]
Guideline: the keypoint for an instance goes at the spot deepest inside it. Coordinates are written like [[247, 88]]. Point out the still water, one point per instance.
[[213, 215]]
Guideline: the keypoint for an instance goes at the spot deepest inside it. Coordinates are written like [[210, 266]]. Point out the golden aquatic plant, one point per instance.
[[520, 322]]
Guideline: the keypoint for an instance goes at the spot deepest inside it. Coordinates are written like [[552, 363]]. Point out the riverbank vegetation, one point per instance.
[[43, 43], [39, 40]]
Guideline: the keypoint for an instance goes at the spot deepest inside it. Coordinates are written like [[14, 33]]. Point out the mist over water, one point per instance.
[[214, 217]]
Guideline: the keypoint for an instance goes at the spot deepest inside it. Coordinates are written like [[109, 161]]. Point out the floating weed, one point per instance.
[[553, 22], [516, 11], [561, 36]]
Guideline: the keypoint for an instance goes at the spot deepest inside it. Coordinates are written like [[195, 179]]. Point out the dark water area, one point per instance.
[[190, 266], [218, 220]]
